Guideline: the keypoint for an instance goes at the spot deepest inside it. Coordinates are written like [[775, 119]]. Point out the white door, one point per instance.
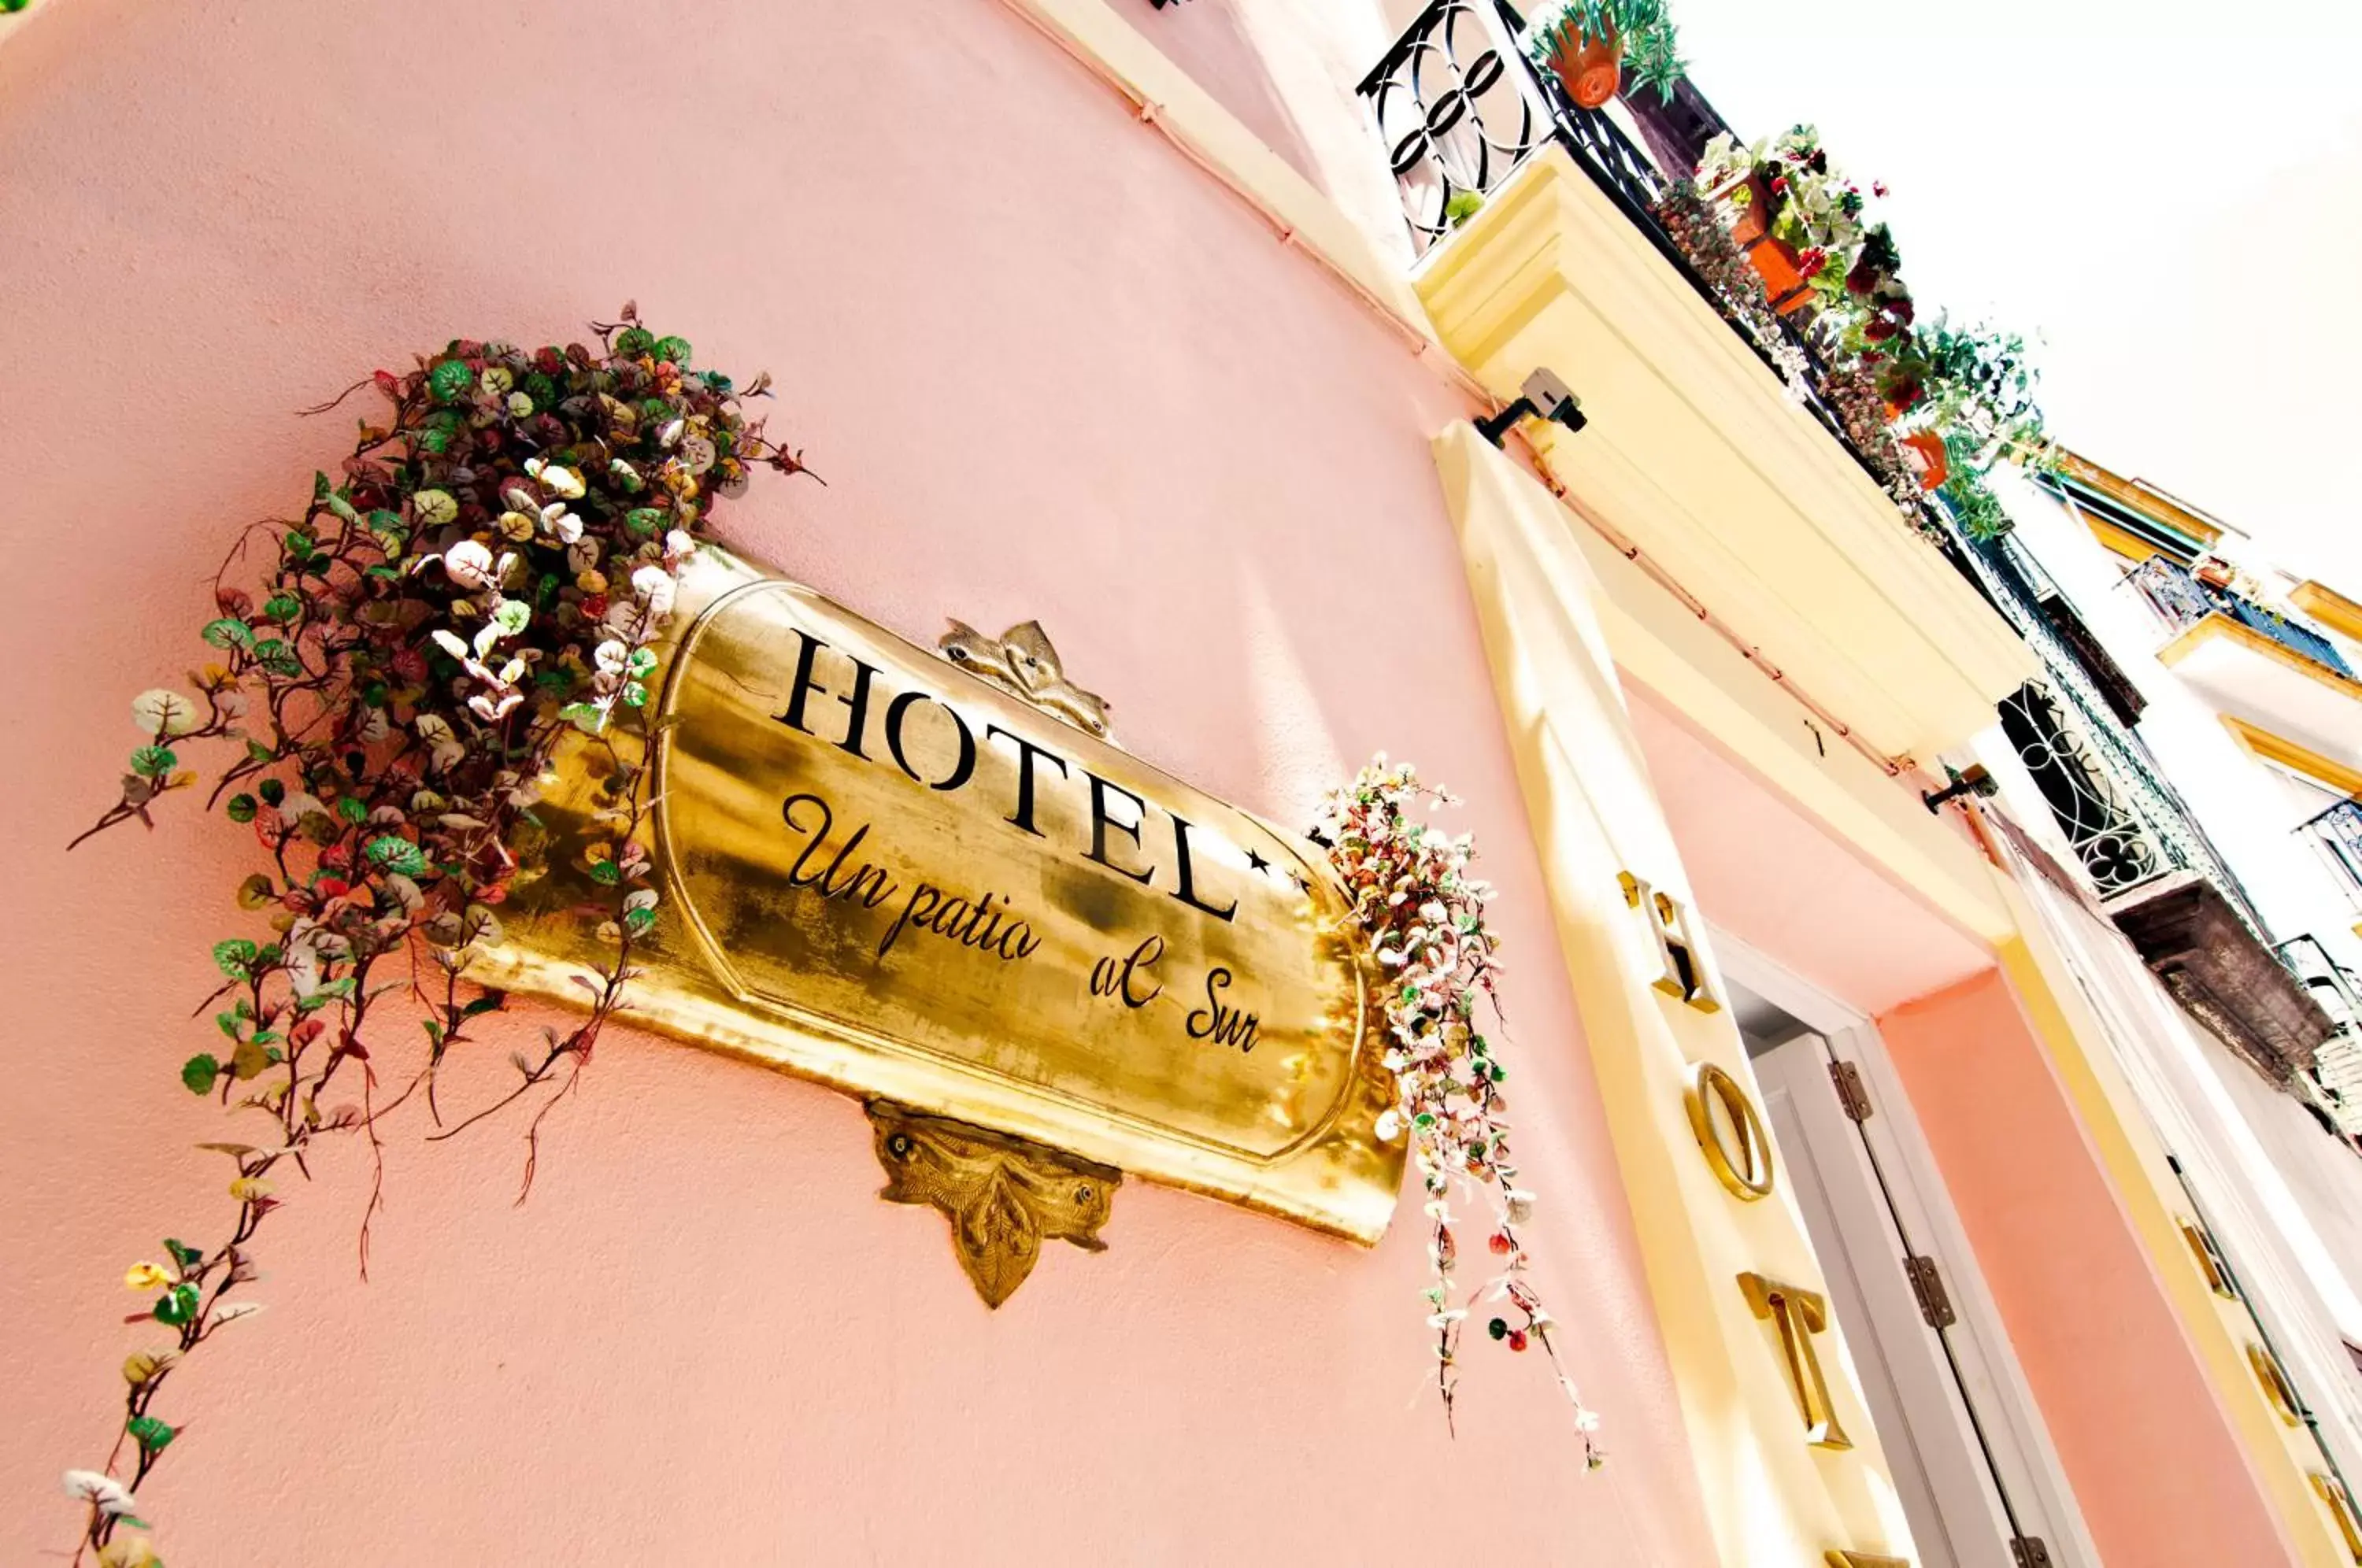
[[1972, 1467]]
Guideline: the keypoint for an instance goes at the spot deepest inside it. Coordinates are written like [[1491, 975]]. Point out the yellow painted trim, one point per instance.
[[1773, 1499], [1695, 458], [2122, 541], [1094, 34], [1663, 646], [2129, 495], [2329, 607], [2220, 625], [2154, 1202], [2296, 759]]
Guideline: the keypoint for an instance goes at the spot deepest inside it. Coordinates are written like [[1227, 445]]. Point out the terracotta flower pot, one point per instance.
[[1775, 260], [1923, 450], [1754, 215], [1589, 66], [1777, 264]]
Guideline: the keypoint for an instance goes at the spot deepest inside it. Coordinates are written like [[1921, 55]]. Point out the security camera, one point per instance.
[[1543, 396]]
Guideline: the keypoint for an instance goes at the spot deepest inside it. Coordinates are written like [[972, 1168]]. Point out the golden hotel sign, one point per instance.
[[888, 875]]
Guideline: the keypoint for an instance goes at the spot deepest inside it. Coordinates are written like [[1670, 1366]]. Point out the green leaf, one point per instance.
[[272, 791], [149, 1433], [281, 607], [240, 808], [178, 1305], [673, 350], [235, 956], [277, 657], [353, 810], [187, 1256], [227, 633], [634, 341], [200, 1072], [451, 380], [396, 854], [153, 761], [644, 520], [606, 873], [639, 923]]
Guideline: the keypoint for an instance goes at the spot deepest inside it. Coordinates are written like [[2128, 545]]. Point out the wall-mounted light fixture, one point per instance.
[[1544, 396], [1974, 781]]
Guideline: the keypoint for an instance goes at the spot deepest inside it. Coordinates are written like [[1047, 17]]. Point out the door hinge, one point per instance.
[[1852, 1093], [2028, 1552], [1935, 1304]]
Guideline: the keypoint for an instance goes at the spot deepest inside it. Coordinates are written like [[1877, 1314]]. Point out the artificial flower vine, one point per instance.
[[1424, 915], [485, 577]]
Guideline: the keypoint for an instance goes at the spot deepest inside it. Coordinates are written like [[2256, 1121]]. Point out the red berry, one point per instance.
[[1516, 1339], [1501, 1244]]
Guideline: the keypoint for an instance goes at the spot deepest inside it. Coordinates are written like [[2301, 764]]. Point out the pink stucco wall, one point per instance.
[[2157, 1466], [1048, 369]]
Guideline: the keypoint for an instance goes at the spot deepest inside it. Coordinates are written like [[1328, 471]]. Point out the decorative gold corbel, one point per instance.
[[1021, 662], [1003, 1195]]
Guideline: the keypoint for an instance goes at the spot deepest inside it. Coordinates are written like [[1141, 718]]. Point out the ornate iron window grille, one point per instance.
[[2116, 848], [2107, 791], [2182, 601]]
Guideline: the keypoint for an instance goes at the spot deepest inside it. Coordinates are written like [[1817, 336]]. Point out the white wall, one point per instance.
[[2237, 799]]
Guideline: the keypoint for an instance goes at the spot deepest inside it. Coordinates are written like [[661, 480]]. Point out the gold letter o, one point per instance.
[[1746, 1173]]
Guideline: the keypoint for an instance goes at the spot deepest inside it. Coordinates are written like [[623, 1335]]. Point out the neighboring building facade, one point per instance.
[[2187, 766], [1857, 1212]]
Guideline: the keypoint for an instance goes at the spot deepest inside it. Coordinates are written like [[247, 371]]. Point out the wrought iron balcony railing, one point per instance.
[[2184, 600], [2336, 836], [2337, 987], [1461, 107]]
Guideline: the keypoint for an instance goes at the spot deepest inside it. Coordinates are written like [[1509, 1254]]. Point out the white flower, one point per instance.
[[1388, 1126], [610, 656], [469, 563], [111, 1496], [562, 482], [654, 585]]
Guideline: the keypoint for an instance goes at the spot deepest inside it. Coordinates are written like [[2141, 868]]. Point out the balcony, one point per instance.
[[2336, 836], [1539, 245], [2254, 662]]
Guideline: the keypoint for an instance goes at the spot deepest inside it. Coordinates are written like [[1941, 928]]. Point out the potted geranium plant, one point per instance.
[[1799, 222], [1589, 44]]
